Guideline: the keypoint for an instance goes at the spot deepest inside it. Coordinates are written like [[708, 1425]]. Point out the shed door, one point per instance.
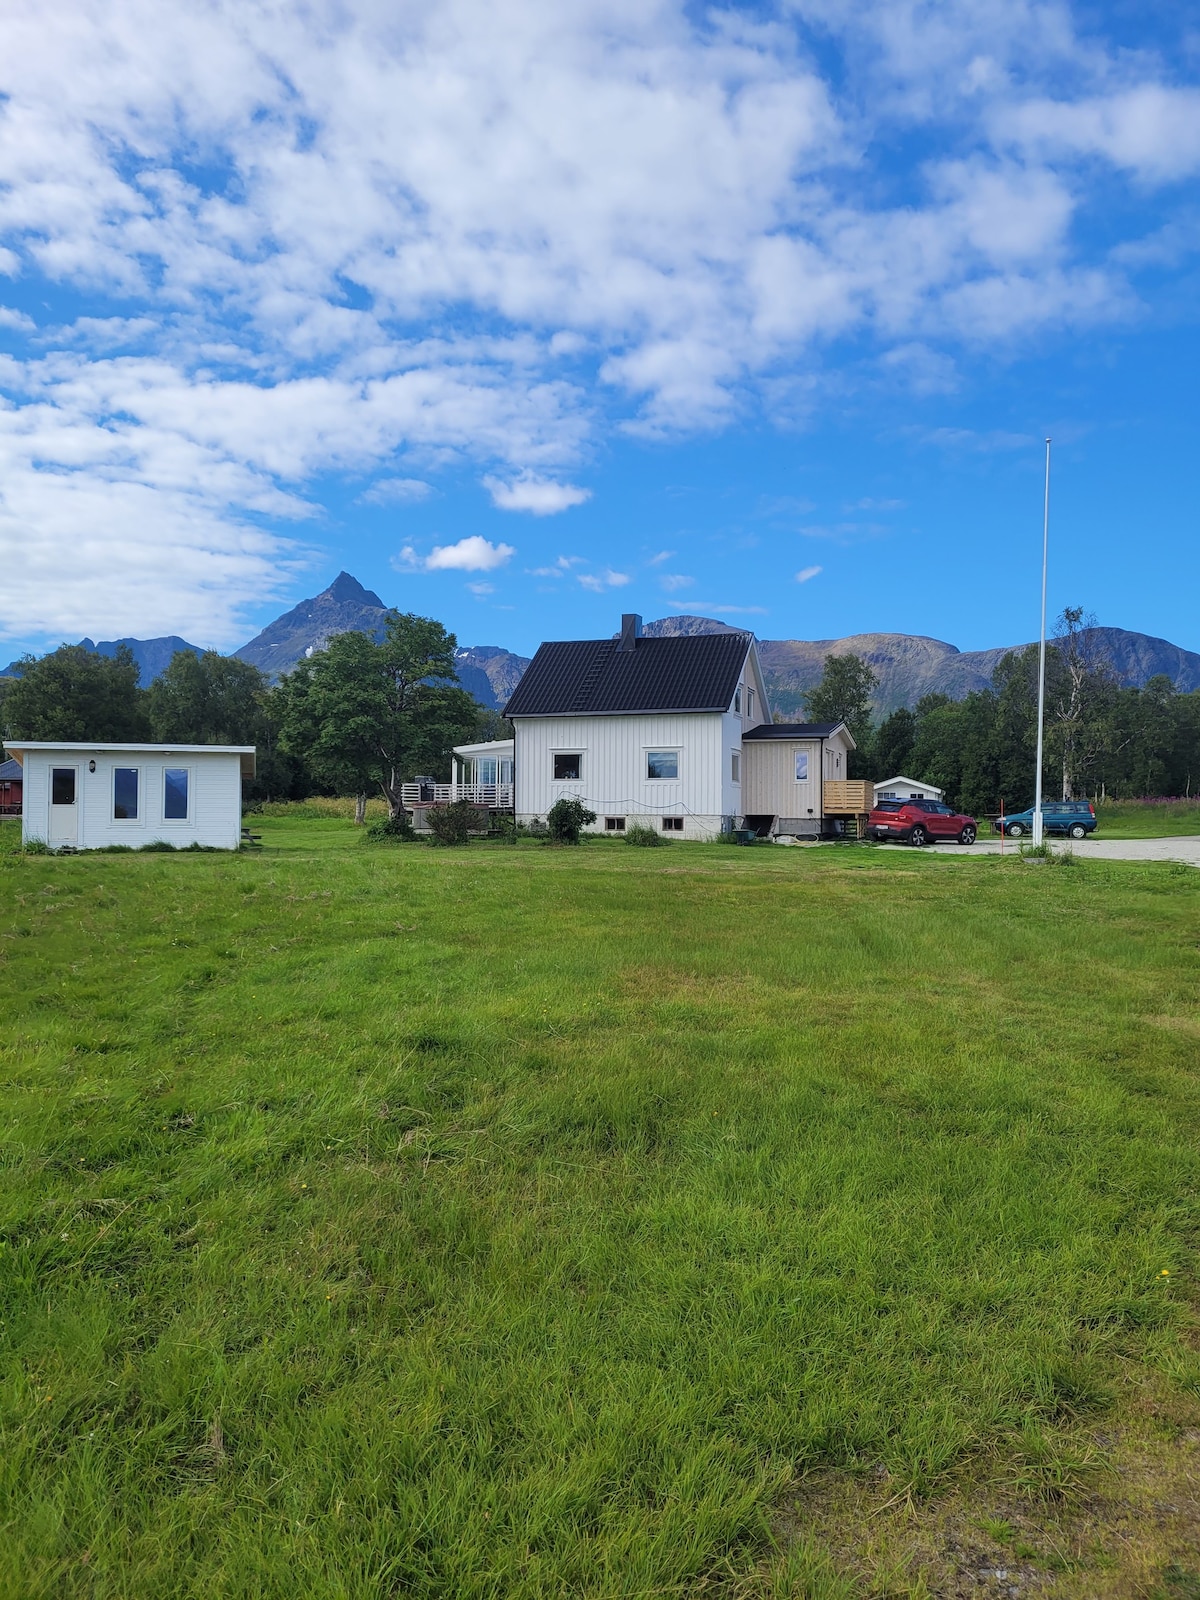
[[64, 805]]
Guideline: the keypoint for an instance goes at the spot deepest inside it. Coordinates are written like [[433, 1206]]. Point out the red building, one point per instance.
[[10, 788]]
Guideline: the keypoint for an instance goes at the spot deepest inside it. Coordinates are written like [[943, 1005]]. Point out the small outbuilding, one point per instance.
[[85, 796], [906, 789], [10, 788]]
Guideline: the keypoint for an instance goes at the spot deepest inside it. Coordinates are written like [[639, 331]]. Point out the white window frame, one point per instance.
[[656, 751], [672, 825], [614, 824], [749, 702], [801, 756], [737, 700], [126, 822], [177, 822], [578, 754], [735, 766]]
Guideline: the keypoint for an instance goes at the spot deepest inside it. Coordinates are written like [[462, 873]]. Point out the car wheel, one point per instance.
[[1078, 831], [918, 836], [1015, 830], [967, 836]]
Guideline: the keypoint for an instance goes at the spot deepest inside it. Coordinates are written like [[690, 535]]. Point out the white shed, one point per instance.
[[906, 789], [84, 796]]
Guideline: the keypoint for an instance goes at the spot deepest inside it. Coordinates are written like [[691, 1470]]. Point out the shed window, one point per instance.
[[568, 767], [735, 766], [662, 763], [62, 786], [672, 824], [801, 766], [175, 794], [614, 824], [125, 794]]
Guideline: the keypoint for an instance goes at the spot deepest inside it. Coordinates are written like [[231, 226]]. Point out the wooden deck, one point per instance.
[[850, 797]]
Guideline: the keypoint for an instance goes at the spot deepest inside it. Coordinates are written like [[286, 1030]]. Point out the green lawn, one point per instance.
[[527, 1222], [1136, 819]]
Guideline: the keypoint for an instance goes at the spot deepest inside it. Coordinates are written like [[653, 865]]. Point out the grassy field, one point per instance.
[[1139, 819], [522, 1222]]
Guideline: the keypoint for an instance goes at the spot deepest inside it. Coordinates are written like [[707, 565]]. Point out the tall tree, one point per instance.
[[894, 742], [75, 694], [207, 699], [844, 695], [368, 716], [1080, 685]]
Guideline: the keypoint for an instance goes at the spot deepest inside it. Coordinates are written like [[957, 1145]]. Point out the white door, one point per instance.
[[64, 805]]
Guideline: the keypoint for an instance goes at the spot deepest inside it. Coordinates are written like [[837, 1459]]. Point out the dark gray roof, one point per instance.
[[588, 677], [11, 769], [793, 730]]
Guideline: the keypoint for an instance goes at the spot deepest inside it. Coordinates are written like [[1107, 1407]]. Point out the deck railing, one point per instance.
[[848, 797], [495, 796]]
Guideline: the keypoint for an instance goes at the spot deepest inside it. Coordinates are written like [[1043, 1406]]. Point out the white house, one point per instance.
[[88, 795], [906, 789], [672, 733]]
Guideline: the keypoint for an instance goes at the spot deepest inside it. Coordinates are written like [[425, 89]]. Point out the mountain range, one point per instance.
[[907, 665]]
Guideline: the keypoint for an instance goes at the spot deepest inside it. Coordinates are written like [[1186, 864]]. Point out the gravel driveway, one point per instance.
[[1183, 849]]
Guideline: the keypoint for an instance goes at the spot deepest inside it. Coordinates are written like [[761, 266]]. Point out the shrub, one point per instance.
[[391, 830], [566, 819], [454, 824], [648, 838]]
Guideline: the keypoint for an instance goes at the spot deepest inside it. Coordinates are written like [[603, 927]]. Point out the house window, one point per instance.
[[125, 794], [662, 763], [614, 824], [568, 768], [62, 786], [672, 824], [749, 702], [801, 766], [175, 794], [735, 766], [737, 698]]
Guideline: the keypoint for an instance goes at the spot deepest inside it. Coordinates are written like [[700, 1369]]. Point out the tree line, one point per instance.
[[359, 717], [1101, 739]]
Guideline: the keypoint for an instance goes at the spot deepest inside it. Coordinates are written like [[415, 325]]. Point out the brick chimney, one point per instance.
[[631, 631]]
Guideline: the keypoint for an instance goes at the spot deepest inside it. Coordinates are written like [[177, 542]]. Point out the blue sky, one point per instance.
[[528, 314]]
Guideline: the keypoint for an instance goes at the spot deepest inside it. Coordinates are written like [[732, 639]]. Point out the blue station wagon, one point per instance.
[[1074, 817]]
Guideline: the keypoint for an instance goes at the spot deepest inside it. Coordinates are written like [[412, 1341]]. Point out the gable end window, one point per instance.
[[737, 699], [568, 768], [662, 764], [125, 794], [801, 766], [749, 702]]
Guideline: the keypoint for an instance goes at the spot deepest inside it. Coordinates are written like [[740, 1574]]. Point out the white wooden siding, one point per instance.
[[214, 797], [613, 778]]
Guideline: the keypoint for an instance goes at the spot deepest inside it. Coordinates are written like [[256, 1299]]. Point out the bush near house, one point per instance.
[[454, 824], [566, 820]]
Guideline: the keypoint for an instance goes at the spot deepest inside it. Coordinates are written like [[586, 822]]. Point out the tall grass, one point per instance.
[[486, 1224]]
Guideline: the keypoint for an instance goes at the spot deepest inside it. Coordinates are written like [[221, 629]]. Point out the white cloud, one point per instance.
[[663, 555], [396, 491], [472, 554], [479, 236], [481, 589], [540, 496], [672, 581], [806, 574], [599, 581]]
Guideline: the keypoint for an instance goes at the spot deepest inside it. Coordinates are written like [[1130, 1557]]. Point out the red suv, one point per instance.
[[920, 822]]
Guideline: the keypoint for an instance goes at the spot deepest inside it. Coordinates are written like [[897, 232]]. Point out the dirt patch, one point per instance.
[[1133, 1531]]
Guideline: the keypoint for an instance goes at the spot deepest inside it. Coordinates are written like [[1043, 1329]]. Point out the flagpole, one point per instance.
[[1037, 803]]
